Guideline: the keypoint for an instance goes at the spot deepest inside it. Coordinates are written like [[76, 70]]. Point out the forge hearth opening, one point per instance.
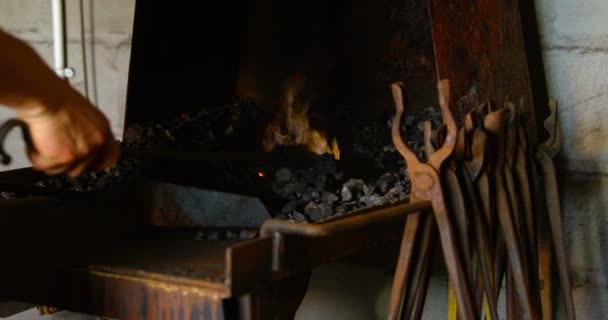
[[302, 85], [341, 53]]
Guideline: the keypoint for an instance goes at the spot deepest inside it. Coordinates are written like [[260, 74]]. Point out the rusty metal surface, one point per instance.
[[420, 277], [424, 285], [494, 123], [411, 230], [299, 247], [421, 274], [521, 170], [485, 40], [404, 263], [128, 260], [200, 262], [59, 260], [114, 295], [426, 185], [479, 46], [518, 184], [370, 218], [480, 227]]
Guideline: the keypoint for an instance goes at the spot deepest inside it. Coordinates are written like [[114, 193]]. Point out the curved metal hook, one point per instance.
[[400, 145], [5, 129], [448, 120], [553, 144]]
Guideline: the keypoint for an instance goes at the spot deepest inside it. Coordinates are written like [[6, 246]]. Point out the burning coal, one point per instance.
[[291, 126]]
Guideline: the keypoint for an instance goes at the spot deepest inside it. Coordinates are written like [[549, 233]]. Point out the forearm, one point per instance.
[[27, 84]]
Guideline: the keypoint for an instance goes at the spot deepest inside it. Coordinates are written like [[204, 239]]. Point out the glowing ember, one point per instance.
[[292, 127], [260, 174]]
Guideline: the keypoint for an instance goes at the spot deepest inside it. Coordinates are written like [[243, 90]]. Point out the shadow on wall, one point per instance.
[[345, 291], [585, 214]]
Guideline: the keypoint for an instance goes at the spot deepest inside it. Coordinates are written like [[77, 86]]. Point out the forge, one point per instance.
[[281, 109]]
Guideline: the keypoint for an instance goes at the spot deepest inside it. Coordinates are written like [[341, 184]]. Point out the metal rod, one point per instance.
[[59, 37], [272, 226], [83, 45]]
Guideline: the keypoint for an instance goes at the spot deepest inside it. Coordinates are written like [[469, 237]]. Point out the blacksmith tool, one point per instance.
[[544, 155], [494, 124], [522, 160], [515, 199], [473, 165], [415, 295], [467, 165], [426, 186], [522, 204], [5, 129]]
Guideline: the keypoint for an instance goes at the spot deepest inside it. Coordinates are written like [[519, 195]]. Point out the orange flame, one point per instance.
[[292, 127]]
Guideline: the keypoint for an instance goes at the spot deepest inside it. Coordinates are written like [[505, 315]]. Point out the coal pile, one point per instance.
[[235, 126], [323, 190], [304, 193], [124, 171], [224, 128], [317, 193]]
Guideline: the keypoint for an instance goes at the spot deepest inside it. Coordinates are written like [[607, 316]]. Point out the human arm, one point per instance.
[[69, 135]]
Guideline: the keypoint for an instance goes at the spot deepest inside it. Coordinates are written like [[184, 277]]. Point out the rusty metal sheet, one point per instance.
[[176, 205], [479, 46], [248, 265], [301, 247], [114, 295]]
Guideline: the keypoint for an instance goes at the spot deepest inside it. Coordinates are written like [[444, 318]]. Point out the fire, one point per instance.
[[261, 174], [292, 127]]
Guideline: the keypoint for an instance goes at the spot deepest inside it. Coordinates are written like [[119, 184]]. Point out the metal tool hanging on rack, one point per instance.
[[483, 207], [426, 185], [544, 153]]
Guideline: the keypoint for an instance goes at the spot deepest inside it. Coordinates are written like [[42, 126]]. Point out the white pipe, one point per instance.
[[59, 41], [83, 51]]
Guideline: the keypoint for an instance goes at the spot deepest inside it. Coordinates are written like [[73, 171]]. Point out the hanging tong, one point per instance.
[[544, 154], [5, 129], [426, 186]]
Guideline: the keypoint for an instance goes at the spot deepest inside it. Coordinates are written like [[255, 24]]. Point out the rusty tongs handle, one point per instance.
[[5, 129]]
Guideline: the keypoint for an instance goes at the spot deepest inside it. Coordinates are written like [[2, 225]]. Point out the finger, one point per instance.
[[93, 152], [50, 167], [99, 160], [56, 170], [108, 156], [41, 162], [83, 165]]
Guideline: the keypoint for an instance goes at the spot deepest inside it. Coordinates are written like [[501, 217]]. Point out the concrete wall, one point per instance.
[[575, 50]]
